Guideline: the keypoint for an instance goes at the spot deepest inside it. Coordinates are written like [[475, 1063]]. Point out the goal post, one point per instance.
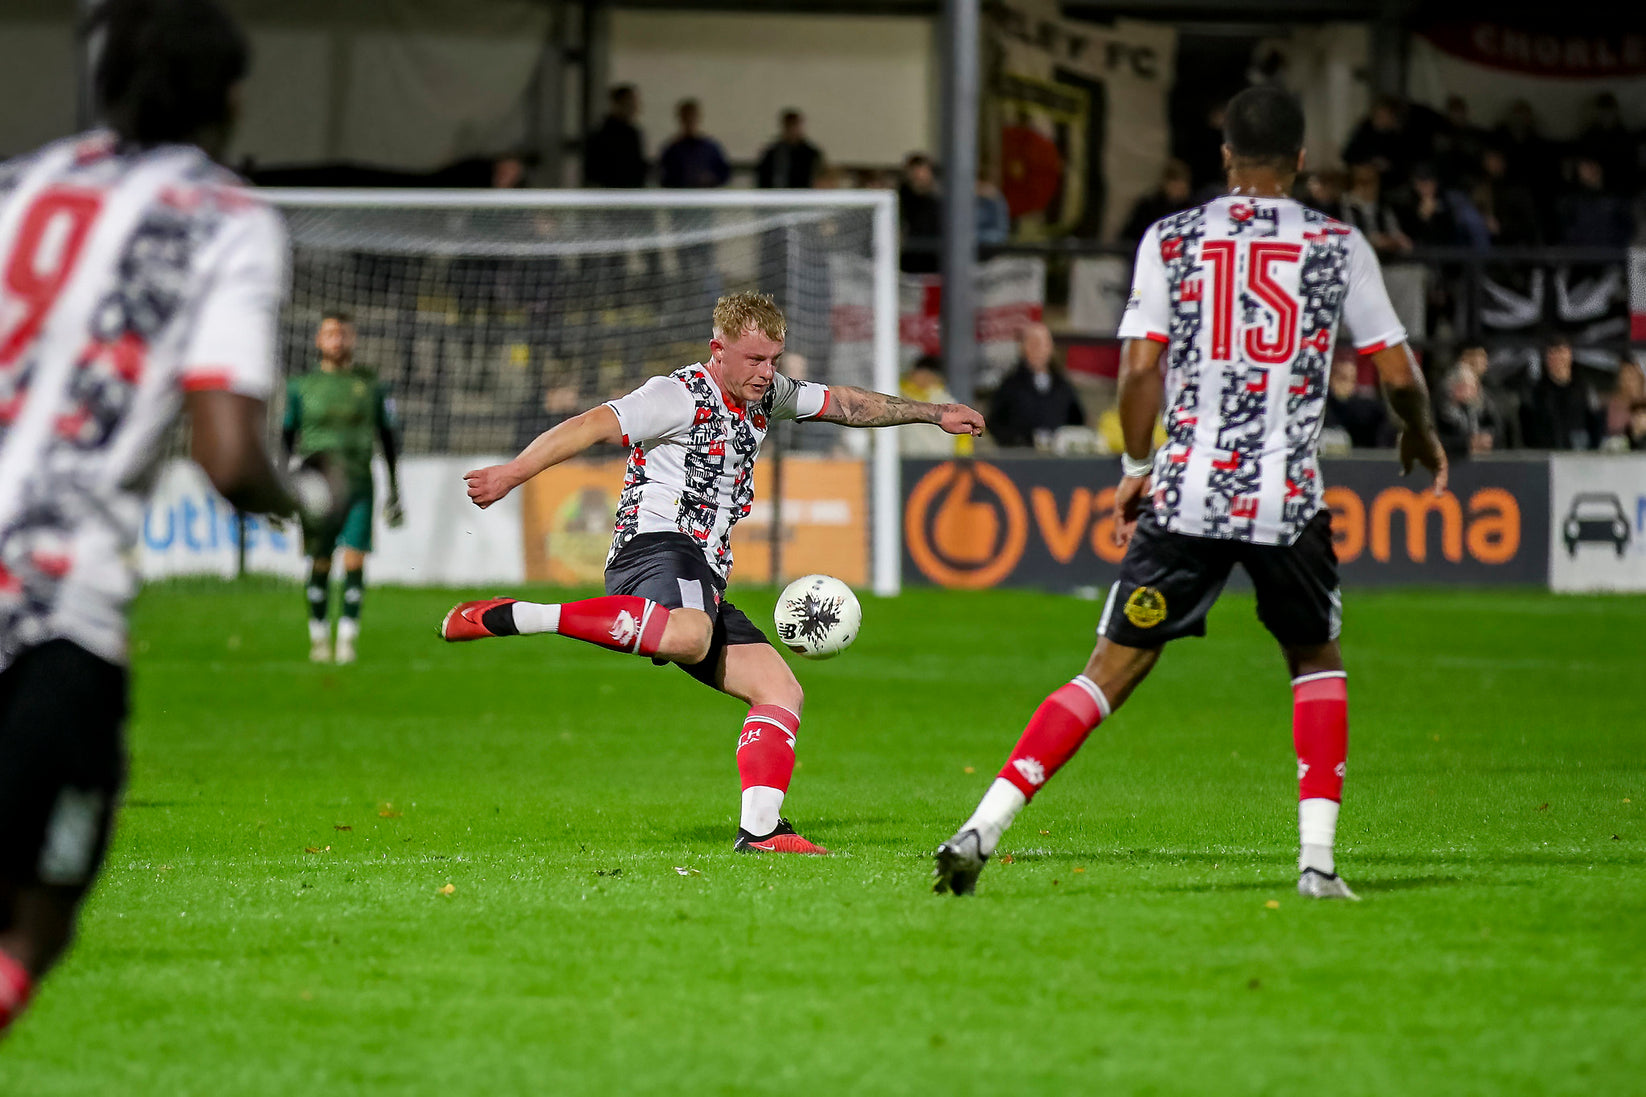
[[493, 314]]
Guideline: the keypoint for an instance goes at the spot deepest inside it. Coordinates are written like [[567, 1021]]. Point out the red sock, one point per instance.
[[1320, 733], [15, 988], [620, 622], [765, 750], [1055, 732]]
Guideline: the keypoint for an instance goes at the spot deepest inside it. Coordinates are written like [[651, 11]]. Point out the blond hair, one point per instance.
[[737, 313]]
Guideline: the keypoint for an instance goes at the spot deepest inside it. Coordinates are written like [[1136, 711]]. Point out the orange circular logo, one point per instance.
[[965, 525]]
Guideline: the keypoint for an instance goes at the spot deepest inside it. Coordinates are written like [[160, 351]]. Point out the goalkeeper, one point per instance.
[[335, 414]]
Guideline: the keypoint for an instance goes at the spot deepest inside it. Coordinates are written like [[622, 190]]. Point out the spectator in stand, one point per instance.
[[1356, 410], [691, 160], [1458, 145], [791, 162], [1425, 217], [1629, 390], [1509, 208], [1381, 140], [1325, 192], [1202, 150], [925, 382], [1173, 194], [1559, 412], [994, 216], [1364, 208], [1467, 422], [1609, 143], [1034, 399], [1636, 434], [1530, 161], [921, 210], [613, 154], [1590, 216]]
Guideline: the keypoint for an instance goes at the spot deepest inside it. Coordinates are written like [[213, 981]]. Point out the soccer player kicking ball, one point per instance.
[[693, 437], [1237, 304], [140, 277], [337, 413]]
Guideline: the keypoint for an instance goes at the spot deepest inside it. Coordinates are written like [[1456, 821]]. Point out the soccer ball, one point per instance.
[[818, 616]]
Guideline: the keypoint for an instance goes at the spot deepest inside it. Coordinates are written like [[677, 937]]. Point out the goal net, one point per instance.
[[492, 316]]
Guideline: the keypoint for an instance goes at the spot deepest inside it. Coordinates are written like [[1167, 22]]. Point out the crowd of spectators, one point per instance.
[[1414, 177]]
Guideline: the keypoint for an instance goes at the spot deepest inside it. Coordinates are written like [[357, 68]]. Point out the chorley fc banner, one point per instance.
[[1075, 115], [1560, 67]]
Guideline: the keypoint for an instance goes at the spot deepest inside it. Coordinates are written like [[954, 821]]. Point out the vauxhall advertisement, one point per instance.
[[1049, 523]]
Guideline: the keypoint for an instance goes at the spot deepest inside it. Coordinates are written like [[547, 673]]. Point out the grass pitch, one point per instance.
[[506, 867]]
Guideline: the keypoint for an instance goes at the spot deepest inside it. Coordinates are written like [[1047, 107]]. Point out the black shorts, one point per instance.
[[669, 569], [62, 763], [1168, 582]]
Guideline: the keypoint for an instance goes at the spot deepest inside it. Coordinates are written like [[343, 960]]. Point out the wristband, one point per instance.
[[1134, 467]]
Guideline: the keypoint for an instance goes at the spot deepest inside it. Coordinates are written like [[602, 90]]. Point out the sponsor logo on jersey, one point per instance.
[[1146, 608]]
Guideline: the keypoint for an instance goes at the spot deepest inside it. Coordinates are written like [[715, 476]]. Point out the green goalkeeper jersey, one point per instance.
[[340, 413]]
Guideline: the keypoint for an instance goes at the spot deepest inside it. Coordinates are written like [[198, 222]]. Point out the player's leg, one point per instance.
[[1299, 603], [661, 599], [355, 540], [62, 764], [318, 593], [319, 542], [747, 667], [1167, 584]]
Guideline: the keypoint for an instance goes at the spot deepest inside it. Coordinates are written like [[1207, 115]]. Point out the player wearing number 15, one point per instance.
[[136, 277], [1232, 320]]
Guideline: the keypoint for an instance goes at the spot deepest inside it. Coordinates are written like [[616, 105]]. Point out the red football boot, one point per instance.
[[781, 840], [464, 621]]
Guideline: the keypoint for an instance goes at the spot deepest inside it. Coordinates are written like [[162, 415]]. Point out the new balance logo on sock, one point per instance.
[[1302, 769], [1032, 771], [624, 628]]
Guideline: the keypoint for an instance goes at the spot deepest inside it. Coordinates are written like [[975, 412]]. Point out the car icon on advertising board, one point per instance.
[[1595, 518]]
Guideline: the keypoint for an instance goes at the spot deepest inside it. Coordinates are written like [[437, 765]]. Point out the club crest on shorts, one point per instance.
[[1146, 608]]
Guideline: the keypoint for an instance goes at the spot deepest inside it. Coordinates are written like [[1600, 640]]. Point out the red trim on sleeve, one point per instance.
[[1373, 349], [206, 380], [828, 394], [1156, 337]]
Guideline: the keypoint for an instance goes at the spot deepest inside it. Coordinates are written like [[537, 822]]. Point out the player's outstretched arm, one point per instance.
[[1140, 393], [1408, 397], [855, 407], [557, 444], [227, 441]]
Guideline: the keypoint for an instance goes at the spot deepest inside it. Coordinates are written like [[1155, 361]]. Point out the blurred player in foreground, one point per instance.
[[693, 437], [136, 276], [1239, 300], [339, 411]]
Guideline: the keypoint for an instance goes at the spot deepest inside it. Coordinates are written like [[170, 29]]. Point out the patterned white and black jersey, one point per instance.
[[1247, 294], [127, 277], [691, 456]]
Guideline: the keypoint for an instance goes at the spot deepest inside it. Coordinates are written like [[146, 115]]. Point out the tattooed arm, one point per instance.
[[855, 407]]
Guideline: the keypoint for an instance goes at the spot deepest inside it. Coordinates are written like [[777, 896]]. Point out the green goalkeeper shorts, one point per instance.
[[351, 530]]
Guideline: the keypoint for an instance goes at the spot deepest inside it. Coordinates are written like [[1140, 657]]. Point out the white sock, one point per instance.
[[348, 628], [995, 813], [319, 632], [762, 805], [1317, 833], [530, 617]]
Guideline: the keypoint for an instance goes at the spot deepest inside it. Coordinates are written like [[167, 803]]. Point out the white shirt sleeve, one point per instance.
[[1149, 308], [1371, 318], [658, 409], [793, 399], [232, 345]]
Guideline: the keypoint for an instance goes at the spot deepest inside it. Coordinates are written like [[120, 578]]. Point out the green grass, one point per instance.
[[1133, 945]]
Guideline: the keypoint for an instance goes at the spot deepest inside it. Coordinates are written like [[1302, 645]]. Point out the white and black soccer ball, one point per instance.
[[818, 616]]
